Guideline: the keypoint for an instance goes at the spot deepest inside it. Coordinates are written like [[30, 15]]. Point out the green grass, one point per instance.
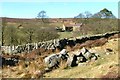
[[65, 34]]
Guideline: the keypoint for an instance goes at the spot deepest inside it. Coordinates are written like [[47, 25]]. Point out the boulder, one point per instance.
[[63, 54], [52, 61], [88, 55], [72, 61]]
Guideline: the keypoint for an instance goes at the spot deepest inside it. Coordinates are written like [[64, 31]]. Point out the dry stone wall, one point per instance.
[[54, 44]]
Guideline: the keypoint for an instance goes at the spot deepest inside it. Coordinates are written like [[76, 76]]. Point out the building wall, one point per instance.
[[64, 27], [67, 28], [76, 28]]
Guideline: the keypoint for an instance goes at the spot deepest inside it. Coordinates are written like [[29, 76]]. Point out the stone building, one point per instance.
[[72, 26]]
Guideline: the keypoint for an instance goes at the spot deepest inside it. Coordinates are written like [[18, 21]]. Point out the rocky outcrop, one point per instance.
[[81, 56]]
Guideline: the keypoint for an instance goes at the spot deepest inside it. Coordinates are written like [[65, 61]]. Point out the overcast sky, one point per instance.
[[54, 9]]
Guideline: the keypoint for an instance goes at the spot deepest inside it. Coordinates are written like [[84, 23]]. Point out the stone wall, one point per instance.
[[54, 44]]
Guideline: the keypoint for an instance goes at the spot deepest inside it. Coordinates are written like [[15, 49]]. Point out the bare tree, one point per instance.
[[88, 14], [42, 14], [10, 35], [29, 32], [80, 16], [45, 34]]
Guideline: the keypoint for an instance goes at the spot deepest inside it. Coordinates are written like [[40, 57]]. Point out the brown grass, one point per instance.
[[91, 43], [63, 64], [113, 73]]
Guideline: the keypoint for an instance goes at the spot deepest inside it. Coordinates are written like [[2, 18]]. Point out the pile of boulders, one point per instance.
[[82, 56]]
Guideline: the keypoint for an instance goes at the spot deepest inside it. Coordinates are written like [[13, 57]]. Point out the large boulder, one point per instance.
[[63, 54], [87, 54], [72, 60], [52, 61]]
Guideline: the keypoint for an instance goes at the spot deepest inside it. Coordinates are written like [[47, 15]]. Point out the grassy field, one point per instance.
[[105, 66], [65, 34]]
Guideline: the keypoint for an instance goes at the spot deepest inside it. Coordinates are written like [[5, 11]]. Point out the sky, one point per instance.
[[54, 9]]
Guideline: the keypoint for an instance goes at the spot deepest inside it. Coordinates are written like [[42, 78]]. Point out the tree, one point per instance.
[[84, 17], [80, 16], [88, 14], [97, 15], [42, 14], [29, 32], [22, 39], [3, 28], [46, 34], [104, 13], [10, 35]]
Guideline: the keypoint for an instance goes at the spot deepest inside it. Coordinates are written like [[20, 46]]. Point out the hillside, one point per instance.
[[31, 65], [105, 67]]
